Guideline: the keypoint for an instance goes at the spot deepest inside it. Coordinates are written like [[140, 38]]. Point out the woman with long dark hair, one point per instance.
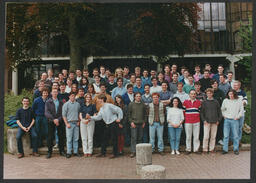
[[120, 103], [91, 90], [232, 110], [84, 84], [175, 118]]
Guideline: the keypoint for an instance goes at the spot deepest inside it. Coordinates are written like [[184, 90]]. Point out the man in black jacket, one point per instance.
[[53, 112]]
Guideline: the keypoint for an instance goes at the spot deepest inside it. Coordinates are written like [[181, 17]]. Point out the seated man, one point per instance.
[[26, 119]]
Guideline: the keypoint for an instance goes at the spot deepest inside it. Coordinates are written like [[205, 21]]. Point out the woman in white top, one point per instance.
[[175, 118], [232, 110]]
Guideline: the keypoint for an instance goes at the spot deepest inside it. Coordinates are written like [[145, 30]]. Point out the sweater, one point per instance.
[[137, 113], [232, 109], [70, 110], [192, 114], [25, 116], [175, 115], [38, 106], [210, 111]]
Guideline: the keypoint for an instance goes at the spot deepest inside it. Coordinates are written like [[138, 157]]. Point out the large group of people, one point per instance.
[[124, 108]]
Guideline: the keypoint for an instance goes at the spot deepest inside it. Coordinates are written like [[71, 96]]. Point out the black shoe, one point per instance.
[[49, 155], [236, 152], [68, 155], [161, 153], [187, 152], [62, 153], [101, 155], [224, 152], [77, 154]]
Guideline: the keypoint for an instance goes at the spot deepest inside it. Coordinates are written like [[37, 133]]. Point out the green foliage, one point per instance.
[[11, 104], [245, 33], [247, 138]]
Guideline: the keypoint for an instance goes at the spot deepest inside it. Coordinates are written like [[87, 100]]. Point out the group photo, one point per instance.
[[128, 91]]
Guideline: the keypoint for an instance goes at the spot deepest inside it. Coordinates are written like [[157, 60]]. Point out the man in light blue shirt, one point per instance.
[[111, 115], [119, 90]]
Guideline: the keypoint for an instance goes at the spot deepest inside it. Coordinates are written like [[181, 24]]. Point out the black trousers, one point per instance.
[[110, 131], [98, 133], [51, 135]]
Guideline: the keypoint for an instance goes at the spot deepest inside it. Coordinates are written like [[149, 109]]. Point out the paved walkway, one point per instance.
[[193, 166]]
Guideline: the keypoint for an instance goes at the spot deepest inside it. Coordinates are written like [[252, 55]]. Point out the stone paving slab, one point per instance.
[[193, 166], [244, 147]]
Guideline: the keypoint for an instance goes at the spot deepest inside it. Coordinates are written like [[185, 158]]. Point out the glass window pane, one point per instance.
[[207, 11]]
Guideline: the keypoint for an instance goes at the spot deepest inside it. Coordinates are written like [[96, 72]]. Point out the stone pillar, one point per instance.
[[233, 59], [87, 61], [153, 172], [15, 81], [12, 142], [143, 156]]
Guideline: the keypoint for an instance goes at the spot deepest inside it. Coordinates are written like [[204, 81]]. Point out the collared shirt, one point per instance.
[[131, 96], [181, 95], [56, 103], [118, 91], [109, 113], [156, 113], [165, 95], [70, 110]]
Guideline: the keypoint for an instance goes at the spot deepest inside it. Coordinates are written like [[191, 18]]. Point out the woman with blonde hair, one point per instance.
[[86, 126], [119, 74]]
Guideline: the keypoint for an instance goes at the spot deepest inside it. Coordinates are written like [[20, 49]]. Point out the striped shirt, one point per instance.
[[192, 114]]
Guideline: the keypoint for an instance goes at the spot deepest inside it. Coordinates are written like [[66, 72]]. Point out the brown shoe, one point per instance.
[[35, 154], [89, 155], [101, 155], [20, 155], [132, 155], [113, 156]]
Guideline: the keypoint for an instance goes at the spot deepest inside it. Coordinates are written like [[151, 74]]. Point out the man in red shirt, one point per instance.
[[192, 122]]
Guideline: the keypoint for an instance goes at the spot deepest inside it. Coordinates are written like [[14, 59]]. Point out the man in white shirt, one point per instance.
[[155, 88]]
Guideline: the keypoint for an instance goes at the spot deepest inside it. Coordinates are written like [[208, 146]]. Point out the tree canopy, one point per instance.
[[101, 29]]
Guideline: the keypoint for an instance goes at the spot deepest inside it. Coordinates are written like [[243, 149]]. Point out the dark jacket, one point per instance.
[[126, 99], [50, 111]]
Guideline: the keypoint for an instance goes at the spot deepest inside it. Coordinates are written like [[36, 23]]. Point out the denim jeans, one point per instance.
[[156, 128], [174, 134], [240, 129], [41, 127], [72, 135], [231, 125], [33, 135], [136, 136]]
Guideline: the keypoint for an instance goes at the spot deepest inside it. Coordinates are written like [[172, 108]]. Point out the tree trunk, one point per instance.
[[76, 58]]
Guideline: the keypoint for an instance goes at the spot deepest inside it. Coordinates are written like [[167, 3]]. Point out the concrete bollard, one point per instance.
[[12, 142], [153, 172], [143, 156]]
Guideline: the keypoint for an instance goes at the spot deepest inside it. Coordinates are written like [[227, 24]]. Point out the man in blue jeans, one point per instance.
[[41, 124], [26, 119], [70, 113], [156, 118]]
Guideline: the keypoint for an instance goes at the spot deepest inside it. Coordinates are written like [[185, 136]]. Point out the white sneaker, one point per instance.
[[56, 146], [221, 142], [172, 152], [177, 152]]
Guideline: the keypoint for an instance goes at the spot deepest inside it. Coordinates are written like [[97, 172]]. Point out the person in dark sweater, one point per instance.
[[80, 96], [111, 84], [205, 81], [41, 125], [137, 117], [26, 119], [218, 94], [211, 116], [62, 95]]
